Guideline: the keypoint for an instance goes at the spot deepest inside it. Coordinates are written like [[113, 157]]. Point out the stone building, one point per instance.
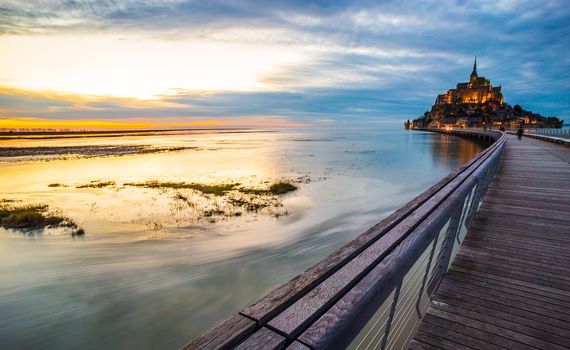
[[477, 91], [463, 104], [478, 103]]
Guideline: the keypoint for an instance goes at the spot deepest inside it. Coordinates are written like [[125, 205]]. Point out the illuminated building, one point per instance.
[[477, 91], [478, 103]]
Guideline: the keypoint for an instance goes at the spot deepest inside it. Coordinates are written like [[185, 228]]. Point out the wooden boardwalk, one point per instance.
[[509, 285]]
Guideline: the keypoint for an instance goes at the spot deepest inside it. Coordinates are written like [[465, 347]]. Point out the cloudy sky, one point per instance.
[[133, 63]]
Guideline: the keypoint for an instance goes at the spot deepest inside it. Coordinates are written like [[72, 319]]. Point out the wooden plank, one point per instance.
[[530, 254], [447, 338], [542, 276], [547, 339], [417, 345], [509, 243], [263, 339], [552, 237], [508, 289], [476, 330], [557, 273], [500, 329], [455, 283], [298, 346], [224, 335], [524, 239], [552, 292], [557, 318], [500, 311]]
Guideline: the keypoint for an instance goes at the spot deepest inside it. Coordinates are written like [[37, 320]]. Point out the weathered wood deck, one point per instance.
[[509, 285]]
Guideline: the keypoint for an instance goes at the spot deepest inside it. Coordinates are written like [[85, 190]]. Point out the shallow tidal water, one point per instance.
[[151, 272]]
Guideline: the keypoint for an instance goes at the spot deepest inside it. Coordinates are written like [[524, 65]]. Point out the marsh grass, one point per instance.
[[34, 217], [79, 233], [214, 202], [282, 188], [217, 189], [278, 188], [250, 204], [57, 185], [214, 212], [234, 199], [181, 197], [97, 184]]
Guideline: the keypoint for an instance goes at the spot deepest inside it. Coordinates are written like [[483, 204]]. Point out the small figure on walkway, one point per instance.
[[520, 132]]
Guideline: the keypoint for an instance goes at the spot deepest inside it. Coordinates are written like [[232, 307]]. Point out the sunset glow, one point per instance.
[[135, 66], [109, 64], [157, 123]]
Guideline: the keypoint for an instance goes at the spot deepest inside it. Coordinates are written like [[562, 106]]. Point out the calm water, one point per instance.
[[150, 273]]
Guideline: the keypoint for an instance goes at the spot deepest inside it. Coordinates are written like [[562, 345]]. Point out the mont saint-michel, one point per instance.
[[479, 103]]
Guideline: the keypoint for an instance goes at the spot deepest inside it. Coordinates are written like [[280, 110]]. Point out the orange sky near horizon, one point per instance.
[[94, 75], [137, 124]]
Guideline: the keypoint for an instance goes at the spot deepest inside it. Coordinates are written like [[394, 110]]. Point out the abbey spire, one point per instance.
[[474, 73]]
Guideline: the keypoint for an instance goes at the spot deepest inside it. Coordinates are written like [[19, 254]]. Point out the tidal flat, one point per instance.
[[83, 151], [176, 241]]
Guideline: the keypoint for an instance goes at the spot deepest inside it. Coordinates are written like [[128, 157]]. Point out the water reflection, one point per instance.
[[128, 284], [451, 149]]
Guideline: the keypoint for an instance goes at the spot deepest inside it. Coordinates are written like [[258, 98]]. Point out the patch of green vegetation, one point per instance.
[[27, 217], [54, 220], [181, 197], [248, 204], [254, 191], [78, 233], [212, 212], [237, 199], [33, 217], [218, 190], [282, 188], [22, 218], [275, 189], [97, 184]]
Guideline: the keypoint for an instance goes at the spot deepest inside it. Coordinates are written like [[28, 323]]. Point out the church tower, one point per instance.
[[474, 73]]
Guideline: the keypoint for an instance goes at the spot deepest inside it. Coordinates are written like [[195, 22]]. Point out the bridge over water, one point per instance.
[[481, 260]]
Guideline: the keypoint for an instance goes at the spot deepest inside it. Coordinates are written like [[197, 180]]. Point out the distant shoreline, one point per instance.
[[16, 135]]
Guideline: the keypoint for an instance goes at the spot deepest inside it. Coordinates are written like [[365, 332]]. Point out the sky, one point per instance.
[[113, 64]]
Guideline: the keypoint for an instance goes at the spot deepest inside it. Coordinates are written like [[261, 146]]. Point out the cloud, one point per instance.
[[353, 59]]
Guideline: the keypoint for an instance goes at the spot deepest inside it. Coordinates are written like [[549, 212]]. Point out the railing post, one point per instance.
[[391, 317], [424, 279]]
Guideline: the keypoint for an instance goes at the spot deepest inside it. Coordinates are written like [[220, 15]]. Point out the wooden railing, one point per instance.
[[562, 136], [373, 292]]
